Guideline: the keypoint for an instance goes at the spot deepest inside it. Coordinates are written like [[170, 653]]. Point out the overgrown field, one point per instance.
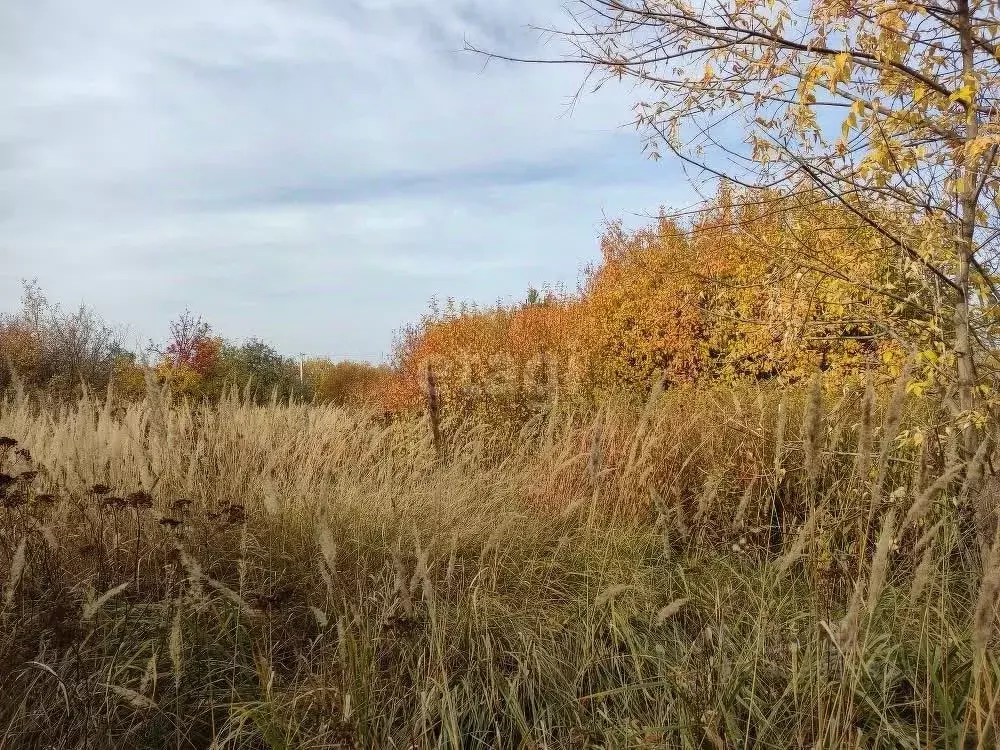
[[717, 569]]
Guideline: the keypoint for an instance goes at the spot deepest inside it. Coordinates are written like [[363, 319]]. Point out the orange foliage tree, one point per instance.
[[755, 286], [345, 383], [495, 356], [640, 308]]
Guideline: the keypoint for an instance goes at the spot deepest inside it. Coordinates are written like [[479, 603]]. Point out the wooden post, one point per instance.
[[434, 411]]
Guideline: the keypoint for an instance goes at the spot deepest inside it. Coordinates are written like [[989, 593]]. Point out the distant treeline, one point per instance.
[[753, 286], [46, 348]]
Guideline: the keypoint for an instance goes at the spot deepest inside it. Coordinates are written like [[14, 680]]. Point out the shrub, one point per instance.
[[47, 347]]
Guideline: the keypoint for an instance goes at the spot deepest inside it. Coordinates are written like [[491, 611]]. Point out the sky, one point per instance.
[[308, 172]]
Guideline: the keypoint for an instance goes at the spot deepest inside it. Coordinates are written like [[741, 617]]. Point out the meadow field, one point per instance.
[[720, 567], [733, 487]]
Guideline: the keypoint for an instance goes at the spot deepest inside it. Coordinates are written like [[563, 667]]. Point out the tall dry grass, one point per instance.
[[719, 568]]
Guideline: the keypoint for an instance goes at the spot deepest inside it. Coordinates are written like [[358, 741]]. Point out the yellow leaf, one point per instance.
[[964, 95]]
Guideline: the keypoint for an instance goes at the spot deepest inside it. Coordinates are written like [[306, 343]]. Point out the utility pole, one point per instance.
[[301, 374]]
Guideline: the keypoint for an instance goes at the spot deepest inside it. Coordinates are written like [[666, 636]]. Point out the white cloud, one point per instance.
[[306, 171]]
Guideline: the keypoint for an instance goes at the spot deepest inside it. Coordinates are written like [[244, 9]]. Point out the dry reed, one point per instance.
[[314, 577]]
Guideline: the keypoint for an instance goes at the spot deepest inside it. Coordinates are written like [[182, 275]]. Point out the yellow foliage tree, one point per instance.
[[747, 288], [885, 108], [797, 287], [640, 309]]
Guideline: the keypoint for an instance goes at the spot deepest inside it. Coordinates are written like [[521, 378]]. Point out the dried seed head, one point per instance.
[[986, 604], [115, 503], [779, 436], [610, 593], [739, 519], [928, 536], [880, 563], [17, 566], [805, 536], [893, 421], [321, 619], [139, 499], [91, 607], [328, 549], [175, 648], [670, 610], [974, 471], [812, 428], [922, 575], [232, 596], [847, 628], [923, 501], [400, 586]]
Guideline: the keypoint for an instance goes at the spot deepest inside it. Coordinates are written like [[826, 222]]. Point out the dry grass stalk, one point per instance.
[[986, 602], [848, 627], [94, 605], [922, 575], [707, 499], [928, 536], [328, 553], [880, 562], [669, 610], [923, 501], [434, 411], [812, 428], [848, 631], [322, 619], [596, 454], [739, 519], [779, 437], [422, 576], [133, 698], [195, 575], [175, 647], [642, 428], [610, 593], [17, 565], [232, 596], [891, 424], [974, 472], [401, 587], [804, 537]]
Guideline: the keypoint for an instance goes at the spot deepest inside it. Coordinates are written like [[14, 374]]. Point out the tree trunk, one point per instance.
[[965, 366], [967, 195], [968, 176]]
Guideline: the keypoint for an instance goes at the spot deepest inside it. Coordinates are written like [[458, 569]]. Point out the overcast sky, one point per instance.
[[308, 172]]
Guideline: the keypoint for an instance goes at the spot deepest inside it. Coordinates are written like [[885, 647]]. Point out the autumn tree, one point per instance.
[[640, 307], [47, 346], [191, 344], [886, 107], [750, 287], [191, 356], [257, 368], [344, 383], [491, 357], [791, 287]]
